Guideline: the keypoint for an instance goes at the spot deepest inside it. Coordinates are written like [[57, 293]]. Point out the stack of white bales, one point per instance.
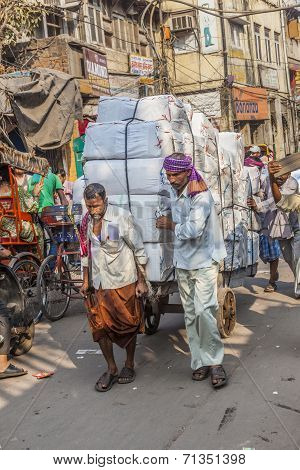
[[125, 149], [220, 158]]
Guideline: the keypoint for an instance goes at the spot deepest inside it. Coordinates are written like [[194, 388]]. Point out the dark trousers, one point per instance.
[[4, 330]]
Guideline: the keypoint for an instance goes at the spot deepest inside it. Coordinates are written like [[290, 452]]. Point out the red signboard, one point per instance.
[[250, 104], [96, 70]]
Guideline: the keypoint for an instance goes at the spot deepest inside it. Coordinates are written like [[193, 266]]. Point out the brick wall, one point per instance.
[[50, 53]]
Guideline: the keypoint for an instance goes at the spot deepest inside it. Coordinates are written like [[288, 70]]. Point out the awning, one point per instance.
[[28, 162], [45, 104]]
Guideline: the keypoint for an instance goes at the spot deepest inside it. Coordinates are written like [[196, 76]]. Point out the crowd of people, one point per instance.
[[114, 258]]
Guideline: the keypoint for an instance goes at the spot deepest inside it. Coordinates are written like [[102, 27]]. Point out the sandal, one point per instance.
[[218, 373], [201, 374], [271, 287], [126, 376], [105, 382], [12, 371]]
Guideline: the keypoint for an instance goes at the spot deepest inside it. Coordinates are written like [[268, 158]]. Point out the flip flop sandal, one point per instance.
[[218, 373], [202, 373], [12, 371], [106, 379], [127, 374], [271, 287]]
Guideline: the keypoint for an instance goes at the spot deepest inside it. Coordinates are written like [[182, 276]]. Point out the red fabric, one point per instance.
[[82, 125]]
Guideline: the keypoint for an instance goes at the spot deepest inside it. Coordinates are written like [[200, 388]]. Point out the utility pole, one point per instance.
[[163, 65], [227, 90]]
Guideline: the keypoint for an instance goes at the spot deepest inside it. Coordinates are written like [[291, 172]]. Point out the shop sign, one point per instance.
[[96, 71], [250, 104], [140, 65], [269, 77], [208, 28]]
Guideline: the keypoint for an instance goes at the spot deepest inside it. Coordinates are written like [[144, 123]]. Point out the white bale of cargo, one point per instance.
[[139, 176], [160, 264], [108, 141], [146, 210], [150, 108]]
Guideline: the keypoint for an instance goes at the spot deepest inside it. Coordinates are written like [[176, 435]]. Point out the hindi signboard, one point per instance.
[[140, 65]]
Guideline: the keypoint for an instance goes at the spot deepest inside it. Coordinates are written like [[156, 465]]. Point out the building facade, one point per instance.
[[237, 69], [102, 45]]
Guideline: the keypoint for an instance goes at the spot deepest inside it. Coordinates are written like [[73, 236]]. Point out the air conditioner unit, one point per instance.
[[52, 3], [180, 23]]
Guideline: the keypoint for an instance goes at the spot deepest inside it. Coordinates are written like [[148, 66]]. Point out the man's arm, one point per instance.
[[195, 225], [274, 167]]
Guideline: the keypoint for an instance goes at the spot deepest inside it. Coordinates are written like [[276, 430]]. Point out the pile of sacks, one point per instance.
[[125, 149], [219, 156]]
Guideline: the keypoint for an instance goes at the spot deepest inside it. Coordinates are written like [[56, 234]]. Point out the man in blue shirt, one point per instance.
[[199, 248]]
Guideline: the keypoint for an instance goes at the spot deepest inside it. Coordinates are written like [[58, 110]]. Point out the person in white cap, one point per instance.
[[259, 201]]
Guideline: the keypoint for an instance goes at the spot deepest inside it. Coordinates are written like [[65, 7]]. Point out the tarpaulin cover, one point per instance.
[[26, 161], [45, 105]]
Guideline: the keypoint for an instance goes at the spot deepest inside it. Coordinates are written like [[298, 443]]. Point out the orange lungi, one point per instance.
[[115, 313]]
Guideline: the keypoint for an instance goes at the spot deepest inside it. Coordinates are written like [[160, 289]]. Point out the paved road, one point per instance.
[[163, 408]]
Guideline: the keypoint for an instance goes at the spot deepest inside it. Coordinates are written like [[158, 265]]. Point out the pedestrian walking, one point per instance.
[[199, 248], [269, 248], [113, 260]]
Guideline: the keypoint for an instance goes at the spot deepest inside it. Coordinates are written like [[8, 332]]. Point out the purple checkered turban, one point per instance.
[[196, 182]]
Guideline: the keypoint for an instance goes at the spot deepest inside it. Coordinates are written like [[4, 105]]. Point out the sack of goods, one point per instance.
[[124, 151]]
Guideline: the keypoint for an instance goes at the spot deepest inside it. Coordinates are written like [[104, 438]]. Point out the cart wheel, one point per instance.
[[26, 271], [152, 317], [226, 318], [54, 288], [25, 341]]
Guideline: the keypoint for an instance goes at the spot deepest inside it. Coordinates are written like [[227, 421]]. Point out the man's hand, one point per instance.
[[165, 223], [38, 188], [4, 253], [273, 168], [84, 289], [251, 203], [141, 289]]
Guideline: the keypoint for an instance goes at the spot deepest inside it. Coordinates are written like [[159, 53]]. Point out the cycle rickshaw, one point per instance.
[[59, 277], [25, 255]]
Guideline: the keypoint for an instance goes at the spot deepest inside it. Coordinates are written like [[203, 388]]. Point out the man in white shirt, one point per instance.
[[199, 248], [113, 260]]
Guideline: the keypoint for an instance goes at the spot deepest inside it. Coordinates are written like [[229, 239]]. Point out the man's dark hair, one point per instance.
[[61, 172], [93, 190]]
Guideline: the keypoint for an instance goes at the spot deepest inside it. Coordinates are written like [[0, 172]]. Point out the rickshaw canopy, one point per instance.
[[28, 162]]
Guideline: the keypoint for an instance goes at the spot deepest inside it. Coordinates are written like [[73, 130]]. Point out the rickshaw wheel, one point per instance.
[[226, 318], [152, 317], [54, 288], [26, 271], [25, 341]]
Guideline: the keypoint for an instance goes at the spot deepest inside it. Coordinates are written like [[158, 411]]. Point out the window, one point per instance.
[[54, 24], [236, 35], [126, 35], [119, 32], [257, 42], [95, 19], [185, 42], [81, 27], [277, 47], [268, 45]]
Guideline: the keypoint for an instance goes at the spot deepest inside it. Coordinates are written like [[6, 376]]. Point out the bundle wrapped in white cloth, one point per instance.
[[144, 176], [151, 108]]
